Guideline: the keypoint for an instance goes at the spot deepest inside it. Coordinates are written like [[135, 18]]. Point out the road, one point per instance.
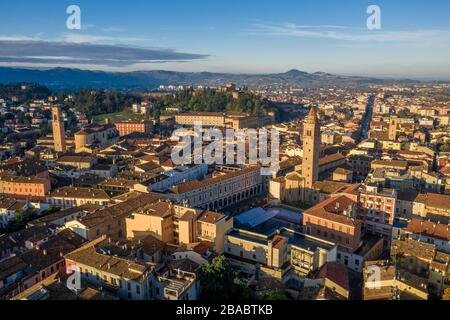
[[365, 123]]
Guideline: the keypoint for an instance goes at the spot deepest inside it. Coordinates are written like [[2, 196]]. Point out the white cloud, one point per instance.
[[85, 38], [18, 38], [91, 38], [351, 34]]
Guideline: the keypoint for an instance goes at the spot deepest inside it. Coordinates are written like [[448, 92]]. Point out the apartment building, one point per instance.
[[68, 197], [177, 281], [432, 206], [117, 186], [429, 232], [93, 263], [127, 127], [235, 120], [392, 283], [207, 119], [275, 253], [85, 162], [335, 220], [424, 261], [240, 120], [110, 221], [218, 192], [179, 225], [377, 209], [20, 187], [182, 174], [41, 257]]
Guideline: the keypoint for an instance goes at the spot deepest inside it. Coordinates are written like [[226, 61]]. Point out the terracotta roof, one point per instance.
[[415, 248], [75, 159], [195, 184], [75, 192], [331, 158], [336, 272], [391, 163], [148, 166], [330, 187], [331, 209], [211, 217], [20, 179], [128, 269], [342, 171], [429, 229], [159, 209], [119, 210], [434, 200]]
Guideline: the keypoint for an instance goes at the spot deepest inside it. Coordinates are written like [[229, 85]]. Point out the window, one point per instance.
[[138, 289]]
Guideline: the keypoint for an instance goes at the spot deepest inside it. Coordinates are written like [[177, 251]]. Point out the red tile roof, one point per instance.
[[429, 228]]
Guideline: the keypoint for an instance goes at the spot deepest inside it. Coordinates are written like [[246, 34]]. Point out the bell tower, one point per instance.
[[311, 143], [59, 134]]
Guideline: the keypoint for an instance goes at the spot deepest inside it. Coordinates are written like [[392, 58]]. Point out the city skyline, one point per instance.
[[232, 37]]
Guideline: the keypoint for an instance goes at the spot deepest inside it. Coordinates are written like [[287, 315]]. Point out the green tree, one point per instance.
[[274, 295], [220, 282]]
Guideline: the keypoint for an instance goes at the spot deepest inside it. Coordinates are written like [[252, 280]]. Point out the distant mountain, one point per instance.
[[72, 79]]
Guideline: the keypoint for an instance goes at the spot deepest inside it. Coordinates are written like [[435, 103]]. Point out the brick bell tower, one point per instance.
[[310, 162], [59, 134]]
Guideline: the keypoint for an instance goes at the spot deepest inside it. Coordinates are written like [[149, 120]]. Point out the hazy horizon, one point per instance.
[[251, 37]]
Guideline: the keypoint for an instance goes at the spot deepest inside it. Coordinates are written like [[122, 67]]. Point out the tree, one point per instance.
[[274, 295], [220, 282]]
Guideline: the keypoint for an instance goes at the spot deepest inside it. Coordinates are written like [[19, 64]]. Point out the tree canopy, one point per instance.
[[212, 100], [220, 282]]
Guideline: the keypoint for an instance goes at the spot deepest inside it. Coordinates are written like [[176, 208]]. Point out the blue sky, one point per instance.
[[246, 36]]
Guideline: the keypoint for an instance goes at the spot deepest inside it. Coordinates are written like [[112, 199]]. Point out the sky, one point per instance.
[[233, 36]]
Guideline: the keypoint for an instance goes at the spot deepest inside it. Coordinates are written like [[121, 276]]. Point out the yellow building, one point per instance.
[[179, 225]]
